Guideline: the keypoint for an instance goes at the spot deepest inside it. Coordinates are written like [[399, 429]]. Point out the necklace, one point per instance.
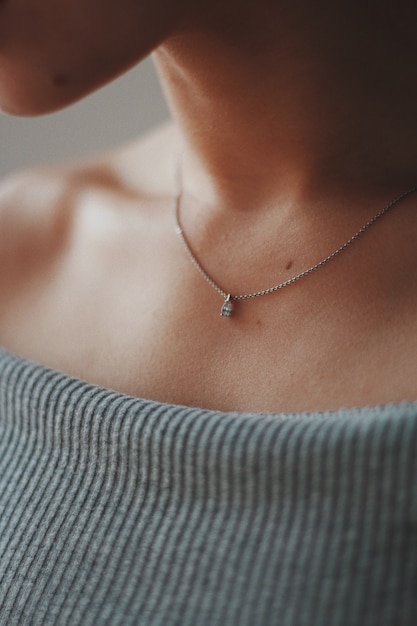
[[227, 307]]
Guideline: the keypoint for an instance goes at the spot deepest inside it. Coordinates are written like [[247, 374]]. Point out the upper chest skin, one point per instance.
[[118, 303]]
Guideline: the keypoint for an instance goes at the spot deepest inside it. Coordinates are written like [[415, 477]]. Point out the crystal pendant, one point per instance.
[[227, 307]]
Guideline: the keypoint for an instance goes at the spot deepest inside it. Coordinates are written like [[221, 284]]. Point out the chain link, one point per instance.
[[293, 279]]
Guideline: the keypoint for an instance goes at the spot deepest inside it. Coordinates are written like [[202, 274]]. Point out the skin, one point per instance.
[[296, 124], [54, 53]]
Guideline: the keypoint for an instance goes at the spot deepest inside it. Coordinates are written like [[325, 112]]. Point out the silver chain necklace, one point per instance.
[[227, 308]]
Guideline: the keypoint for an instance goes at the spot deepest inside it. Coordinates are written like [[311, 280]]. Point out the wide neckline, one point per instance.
[[86, 386]]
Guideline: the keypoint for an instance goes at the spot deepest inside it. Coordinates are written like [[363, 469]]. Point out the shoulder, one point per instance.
[[35, 211], [41, 210], [31, 210]]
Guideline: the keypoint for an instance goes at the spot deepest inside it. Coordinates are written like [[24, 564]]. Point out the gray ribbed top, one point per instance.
[[120, 511]]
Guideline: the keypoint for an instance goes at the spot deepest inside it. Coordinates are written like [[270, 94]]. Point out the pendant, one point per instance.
[[227, 307]]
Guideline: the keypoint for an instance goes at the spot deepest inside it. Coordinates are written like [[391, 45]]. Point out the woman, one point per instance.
[[292, 147]]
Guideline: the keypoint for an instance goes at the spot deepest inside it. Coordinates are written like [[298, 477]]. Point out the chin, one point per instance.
[[28, 107], [27, 95], [29, 90], [26, 102]]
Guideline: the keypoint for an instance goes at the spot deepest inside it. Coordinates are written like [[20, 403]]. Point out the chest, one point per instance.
[[285, 352]]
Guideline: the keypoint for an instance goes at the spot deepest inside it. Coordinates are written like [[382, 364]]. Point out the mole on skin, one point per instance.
[[289, 265], [57, 79]]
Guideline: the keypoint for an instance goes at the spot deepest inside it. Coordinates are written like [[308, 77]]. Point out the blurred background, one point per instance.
[[117, 113]]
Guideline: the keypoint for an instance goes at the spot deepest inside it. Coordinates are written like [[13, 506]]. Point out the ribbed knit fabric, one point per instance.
[[119, 511]]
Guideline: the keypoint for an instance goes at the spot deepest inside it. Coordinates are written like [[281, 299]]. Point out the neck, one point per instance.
[[273, 105]]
